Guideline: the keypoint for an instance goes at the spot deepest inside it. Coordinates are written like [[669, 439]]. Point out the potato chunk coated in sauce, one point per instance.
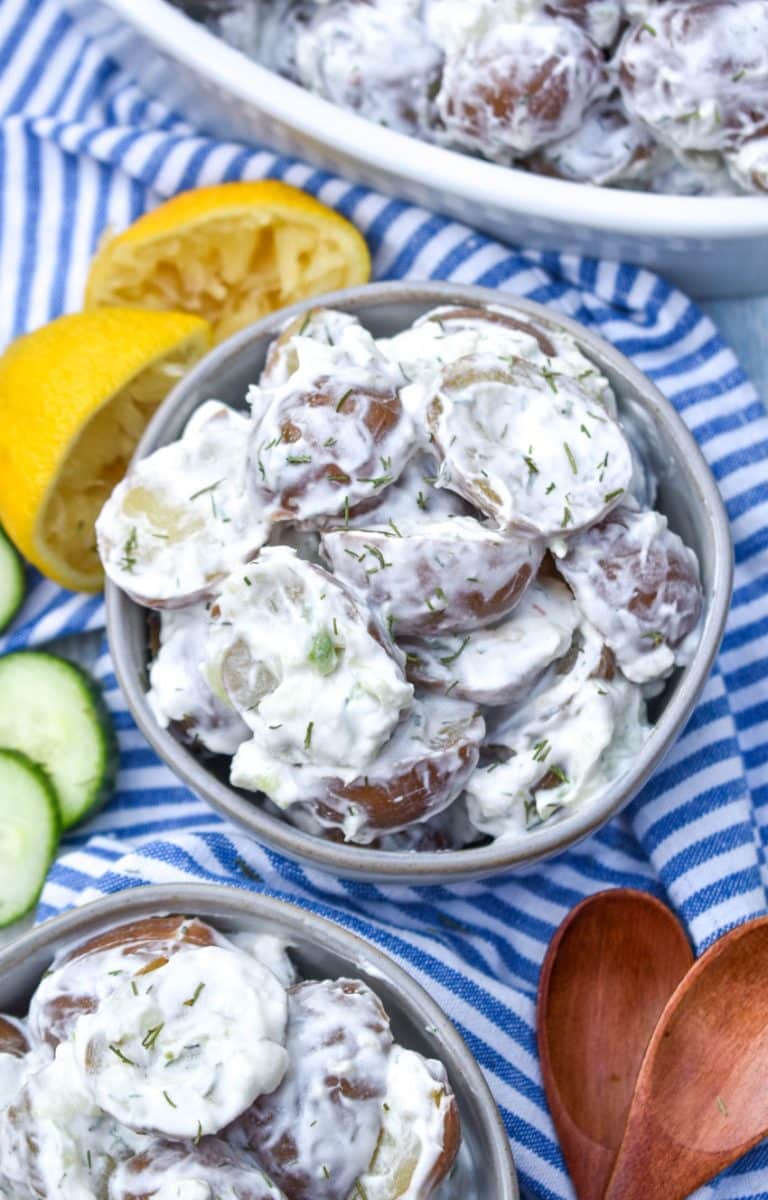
[[334, 434], [419, 772], [638, 583], [317, 1132], [436, 576], [528, 447], [304, 663], [181, 519]]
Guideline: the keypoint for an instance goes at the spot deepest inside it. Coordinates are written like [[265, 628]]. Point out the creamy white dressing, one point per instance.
[[264, 1093], [608, 147], [551, 752], [181, 518], [498, 666], [185, 1048], [522, 81], [529, 447], [179, 692], [450, 333], [449, 575], [419, 772], [297, 655], [492, 437]]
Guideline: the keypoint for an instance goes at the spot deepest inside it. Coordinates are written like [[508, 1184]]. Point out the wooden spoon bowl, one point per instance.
[[701, 1099], [608, 974]]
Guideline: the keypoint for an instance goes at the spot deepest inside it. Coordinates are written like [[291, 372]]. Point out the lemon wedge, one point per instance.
[[231, 253], [75, 397]]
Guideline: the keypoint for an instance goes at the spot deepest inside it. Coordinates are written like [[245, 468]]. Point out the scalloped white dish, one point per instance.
[[708, 245]]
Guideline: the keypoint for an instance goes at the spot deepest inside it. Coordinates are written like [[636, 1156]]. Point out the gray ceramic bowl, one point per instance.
[[321, 950], [688, 495]]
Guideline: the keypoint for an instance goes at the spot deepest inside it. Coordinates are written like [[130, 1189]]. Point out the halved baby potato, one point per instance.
[[435, 576], [304, 664], [334, 434], [92, 970], [638, 583], [420, 772], [181, 518], [499, 665], [318, 1131], [179, 694], [505, 433]]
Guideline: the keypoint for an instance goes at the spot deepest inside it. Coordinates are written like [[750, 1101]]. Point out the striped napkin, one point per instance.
[[81, 149]]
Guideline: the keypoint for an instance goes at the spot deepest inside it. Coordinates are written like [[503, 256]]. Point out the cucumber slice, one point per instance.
[[53, 713], [29, 833], [11, 582]]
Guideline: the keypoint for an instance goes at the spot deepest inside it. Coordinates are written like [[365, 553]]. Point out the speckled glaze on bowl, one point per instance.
[[321, 949], [688, 496]]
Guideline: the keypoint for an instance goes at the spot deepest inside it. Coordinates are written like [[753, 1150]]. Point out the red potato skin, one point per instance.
[[309, 1094], [12, 1040], [150, 941]]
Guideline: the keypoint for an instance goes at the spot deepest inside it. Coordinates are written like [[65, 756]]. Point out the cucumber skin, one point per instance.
[[110, 756], [7, 548], [45, 782]]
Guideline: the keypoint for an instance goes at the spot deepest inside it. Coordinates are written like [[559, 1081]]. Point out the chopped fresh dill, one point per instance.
[[128, 560], [346, 396], [194, 997], [612, 495], [151, 1036], [211, 488], [377, 554], [377, 480], [571, 459], [308, 735], [169, 1101], [451, 658], [550, 377], [119, 1054], [298, 458], [541, 750]]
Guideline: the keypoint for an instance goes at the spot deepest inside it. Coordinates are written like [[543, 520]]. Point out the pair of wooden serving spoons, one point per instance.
[[655, 1067]]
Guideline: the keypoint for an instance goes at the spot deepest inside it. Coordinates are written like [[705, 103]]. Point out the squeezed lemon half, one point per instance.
[[75, 397], [230, 253]]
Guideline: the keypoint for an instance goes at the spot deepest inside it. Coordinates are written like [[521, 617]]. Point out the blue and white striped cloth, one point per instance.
[[82, 149]]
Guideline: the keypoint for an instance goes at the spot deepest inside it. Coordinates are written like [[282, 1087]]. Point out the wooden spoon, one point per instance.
[[701, 1099], [609, 971]]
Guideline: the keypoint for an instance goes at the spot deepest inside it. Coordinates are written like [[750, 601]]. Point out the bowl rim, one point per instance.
[[345, 859], [609, 210], [210, 901]]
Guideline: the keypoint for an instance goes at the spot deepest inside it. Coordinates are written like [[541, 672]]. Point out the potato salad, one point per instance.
[[417, 595], [162, 1060]]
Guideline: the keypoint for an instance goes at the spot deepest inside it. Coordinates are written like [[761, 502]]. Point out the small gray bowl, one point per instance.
[[688, 496], [320, 949]]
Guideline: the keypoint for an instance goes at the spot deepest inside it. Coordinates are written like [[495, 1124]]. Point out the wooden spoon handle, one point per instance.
[[651, 1166]]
